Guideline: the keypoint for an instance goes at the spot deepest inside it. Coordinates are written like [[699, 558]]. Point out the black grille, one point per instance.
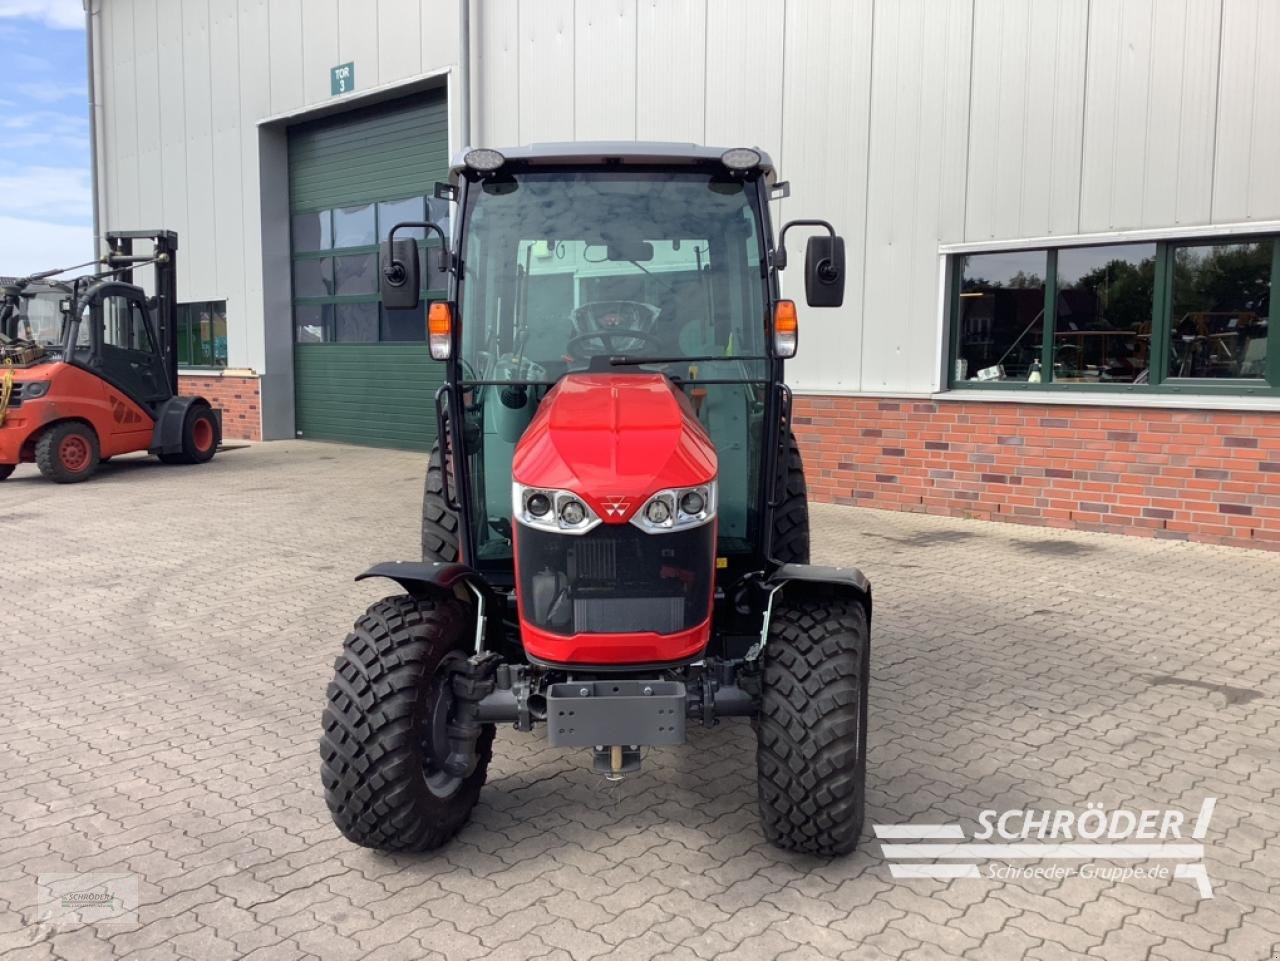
[[615, 579], [15, 398]]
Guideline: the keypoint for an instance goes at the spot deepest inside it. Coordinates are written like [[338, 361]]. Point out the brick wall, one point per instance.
[[237, 396], [1182, 474]]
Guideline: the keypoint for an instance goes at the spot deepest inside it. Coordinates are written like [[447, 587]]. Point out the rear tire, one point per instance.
[[811, 740], [381, 781], [5, 471], [791, 519], [67, 453], [439, 522], [200, 437]]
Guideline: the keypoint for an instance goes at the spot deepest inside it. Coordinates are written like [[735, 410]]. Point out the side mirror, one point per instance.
[[824, 271], [823, 263], [398, 272]]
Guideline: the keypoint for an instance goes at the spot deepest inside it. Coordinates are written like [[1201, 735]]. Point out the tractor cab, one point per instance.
[[615, 527]]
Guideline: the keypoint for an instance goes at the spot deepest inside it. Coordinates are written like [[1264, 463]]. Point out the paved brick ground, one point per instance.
[[160, 717]]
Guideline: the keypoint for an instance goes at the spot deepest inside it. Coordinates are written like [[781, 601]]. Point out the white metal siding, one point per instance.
[[908, 123]]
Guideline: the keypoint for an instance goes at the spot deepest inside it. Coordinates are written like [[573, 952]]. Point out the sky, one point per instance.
[[46, 214]]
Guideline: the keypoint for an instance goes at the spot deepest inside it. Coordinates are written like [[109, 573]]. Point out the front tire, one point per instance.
[[791, 519], [811, 740], [382, 728], [439, 521], [67, 453], [5, 471]]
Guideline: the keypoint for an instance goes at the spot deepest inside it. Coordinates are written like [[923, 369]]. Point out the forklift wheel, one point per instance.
[[199, 437], [5, 471], [67, 452], [811, 742], [386, 726]]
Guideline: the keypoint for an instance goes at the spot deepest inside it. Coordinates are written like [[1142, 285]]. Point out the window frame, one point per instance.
[[192, 336], [1159, 383], [333, 252]]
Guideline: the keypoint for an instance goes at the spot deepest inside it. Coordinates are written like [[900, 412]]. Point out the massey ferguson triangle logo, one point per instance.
[[616, 506]]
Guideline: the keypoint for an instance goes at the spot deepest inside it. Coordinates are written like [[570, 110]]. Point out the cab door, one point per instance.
[[125, 352]]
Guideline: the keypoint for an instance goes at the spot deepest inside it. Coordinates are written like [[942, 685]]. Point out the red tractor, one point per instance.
[[89, 368], [615, 534]]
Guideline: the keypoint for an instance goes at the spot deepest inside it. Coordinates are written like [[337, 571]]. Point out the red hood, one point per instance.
[[614, 439]]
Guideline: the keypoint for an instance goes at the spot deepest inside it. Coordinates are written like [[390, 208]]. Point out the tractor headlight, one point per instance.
[[573, 512], [32, 389], [677, 509], [561, 512]]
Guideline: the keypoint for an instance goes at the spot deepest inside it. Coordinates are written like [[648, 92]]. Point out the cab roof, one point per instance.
[[593, 152]]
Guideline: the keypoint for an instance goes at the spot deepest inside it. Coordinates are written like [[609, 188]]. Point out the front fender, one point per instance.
[[820, 580], [171, 422], [428, 578]]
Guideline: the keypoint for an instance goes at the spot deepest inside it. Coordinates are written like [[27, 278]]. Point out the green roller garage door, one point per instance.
[[362, 373]]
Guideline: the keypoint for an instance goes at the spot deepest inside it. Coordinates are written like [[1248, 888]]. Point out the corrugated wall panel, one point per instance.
[[200, 245], [919, 132], [545, 90], [321, 48], [146, 82], [122, 133], [1246, 185], [1177, 188], [671, 70], [828, 72], [246, 340], [358, 40], [744, 73], [1026, 118], [224, 40], [400, 38], [1151, 75], [377, 394], [605, 70], [285, 65], [175, 213], [496, 112]]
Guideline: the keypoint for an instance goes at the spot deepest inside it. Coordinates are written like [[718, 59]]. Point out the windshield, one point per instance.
[[564, 266], [40, 318]]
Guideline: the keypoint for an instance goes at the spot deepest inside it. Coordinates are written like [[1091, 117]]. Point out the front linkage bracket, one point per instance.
[[472, 681]]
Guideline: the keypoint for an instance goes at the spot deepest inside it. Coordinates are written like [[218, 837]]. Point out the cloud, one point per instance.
[[68, 133], [28, 246], [59, 14], [49, 194], [53, 91]]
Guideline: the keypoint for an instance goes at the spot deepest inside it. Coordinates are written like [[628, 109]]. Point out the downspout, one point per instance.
[[464, 72], [93, 127]]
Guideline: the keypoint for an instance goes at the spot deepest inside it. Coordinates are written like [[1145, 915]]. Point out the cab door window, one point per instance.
[[124, 325]]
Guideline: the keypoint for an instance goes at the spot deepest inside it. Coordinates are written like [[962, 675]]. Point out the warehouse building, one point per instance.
[[1061, 219]]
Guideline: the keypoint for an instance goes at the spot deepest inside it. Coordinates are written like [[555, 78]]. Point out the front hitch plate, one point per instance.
[[590, 713]]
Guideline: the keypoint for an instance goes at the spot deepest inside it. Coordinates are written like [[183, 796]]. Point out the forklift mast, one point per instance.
[[163, 259]]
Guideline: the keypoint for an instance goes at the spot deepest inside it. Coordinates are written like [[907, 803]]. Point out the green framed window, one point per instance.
[[335, 272], [1173, 316], [202, 334]]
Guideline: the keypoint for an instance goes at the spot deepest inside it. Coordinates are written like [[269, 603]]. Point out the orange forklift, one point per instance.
[[89, 367]]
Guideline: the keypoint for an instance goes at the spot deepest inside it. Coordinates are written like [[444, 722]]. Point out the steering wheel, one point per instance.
[[606, 338]]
